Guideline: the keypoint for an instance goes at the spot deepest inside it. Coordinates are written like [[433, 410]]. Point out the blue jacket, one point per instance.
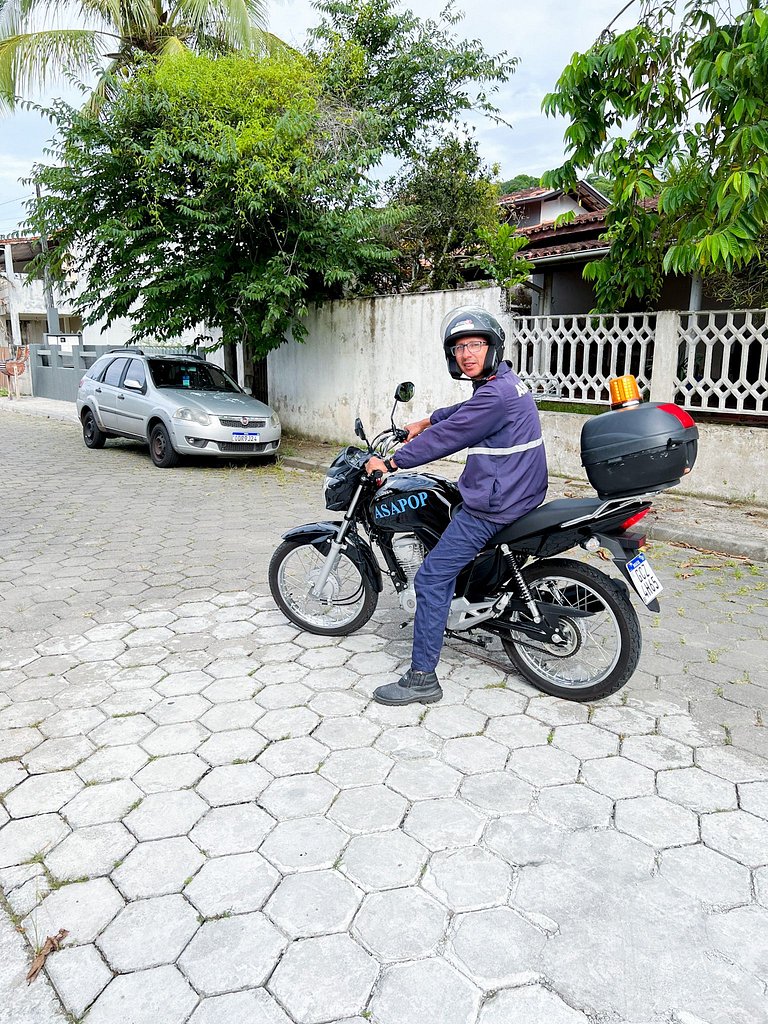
[[506, 471]]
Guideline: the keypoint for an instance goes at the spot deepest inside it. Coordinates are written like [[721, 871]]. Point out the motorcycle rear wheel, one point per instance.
[[605, 645], [349, 597]]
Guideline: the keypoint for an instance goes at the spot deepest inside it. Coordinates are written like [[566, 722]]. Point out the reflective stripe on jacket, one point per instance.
[[506, 471]]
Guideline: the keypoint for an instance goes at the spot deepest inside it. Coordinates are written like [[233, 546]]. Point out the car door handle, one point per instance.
[[121, 397], [98, 391]]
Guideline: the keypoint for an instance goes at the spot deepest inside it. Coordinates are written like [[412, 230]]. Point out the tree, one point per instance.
[[675, 112], [519, 182], [226, 192], [448, 196], [415, 74], [121, 32]]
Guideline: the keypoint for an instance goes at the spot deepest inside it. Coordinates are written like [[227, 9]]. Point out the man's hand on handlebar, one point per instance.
[[376, 465], [416, 428]]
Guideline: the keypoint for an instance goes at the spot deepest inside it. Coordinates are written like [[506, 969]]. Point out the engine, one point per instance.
[[409, 552]]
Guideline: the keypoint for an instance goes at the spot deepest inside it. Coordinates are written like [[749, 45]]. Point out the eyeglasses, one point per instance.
[[473, 347]]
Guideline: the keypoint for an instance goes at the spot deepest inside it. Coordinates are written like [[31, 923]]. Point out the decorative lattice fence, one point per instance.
[[723, 361], [572, 358], [713, 361]]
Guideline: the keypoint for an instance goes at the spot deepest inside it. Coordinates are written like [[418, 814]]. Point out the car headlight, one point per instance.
[[192, 416], [274, 421]]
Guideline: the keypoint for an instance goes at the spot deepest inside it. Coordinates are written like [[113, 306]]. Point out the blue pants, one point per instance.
[[436, 581]]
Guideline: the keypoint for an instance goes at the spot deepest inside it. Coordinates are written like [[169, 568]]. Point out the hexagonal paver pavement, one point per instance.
[[231, 829], [497, 946], [400, 924], [238, 883], [324, 979], [313, 903], [425, 990], [232, 953], [304, 844], [148, 933], [145, 997]]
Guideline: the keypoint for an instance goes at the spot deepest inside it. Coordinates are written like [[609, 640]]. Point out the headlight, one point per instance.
[[274, 421], [192, 416]]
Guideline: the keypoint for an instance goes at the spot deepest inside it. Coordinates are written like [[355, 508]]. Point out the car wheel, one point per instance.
[[93, 435], [160, 448]]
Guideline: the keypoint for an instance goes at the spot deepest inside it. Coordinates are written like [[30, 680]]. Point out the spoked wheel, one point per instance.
[[348, 599], [601, 649]]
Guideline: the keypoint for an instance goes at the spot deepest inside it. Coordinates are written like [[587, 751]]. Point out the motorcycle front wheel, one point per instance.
[[601, 649], [348, 599]]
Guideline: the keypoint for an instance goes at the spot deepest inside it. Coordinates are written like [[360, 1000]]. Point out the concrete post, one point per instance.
[[694, 302], [13, 312], [665, 349]]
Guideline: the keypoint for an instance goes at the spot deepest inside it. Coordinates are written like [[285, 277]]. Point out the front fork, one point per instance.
[[337, 545]]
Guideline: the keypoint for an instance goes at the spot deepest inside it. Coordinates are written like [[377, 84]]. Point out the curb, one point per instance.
[[754, 550]]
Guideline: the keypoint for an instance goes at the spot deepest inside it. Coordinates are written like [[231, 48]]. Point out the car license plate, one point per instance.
[[244, 435], [644, 579]]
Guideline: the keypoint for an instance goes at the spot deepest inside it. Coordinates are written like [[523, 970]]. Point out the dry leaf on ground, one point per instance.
[[53, 942]]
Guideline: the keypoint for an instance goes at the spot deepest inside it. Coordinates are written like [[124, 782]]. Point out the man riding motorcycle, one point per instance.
[[505, 477]]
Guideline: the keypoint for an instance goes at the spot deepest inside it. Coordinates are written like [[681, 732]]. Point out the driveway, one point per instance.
[[228, 828]]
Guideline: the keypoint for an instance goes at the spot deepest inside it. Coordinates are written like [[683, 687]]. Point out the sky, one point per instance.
[[543, 35]]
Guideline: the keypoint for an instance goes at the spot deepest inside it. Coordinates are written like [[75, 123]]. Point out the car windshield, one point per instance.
[[190, 376]]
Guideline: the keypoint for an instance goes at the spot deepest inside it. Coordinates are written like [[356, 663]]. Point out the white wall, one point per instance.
[[358, 350], [552, 208]]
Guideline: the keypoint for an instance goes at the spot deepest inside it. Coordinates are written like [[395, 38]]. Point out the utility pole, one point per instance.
[[51, 312]]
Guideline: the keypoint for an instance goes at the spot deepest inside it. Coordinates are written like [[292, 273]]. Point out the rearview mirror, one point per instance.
[[404, 391], [133, 385], [359, 431]]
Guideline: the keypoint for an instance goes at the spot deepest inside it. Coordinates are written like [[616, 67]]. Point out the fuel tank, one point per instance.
[[415, 503]]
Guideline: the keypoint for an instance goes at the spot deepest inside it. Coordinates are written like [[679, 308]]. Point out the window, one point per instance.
[[190, 376], [136, 372], [115, 371], [96, 372]]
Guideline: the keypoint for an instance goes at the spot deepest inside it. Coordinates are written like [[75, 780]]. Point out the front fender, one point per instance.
[[358, 550]]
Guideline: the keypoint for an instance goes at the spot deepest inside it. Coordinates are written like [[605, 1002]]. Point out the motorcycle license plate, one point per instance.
[[244, 435], [644, 579]]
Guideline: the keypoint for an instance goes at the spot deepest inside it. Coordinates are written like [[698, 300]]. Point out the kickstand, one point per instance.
[[474, 641]]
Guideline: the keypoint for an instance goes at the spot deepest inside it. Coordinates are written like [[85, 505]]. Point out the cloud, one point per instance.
[[544, 35]]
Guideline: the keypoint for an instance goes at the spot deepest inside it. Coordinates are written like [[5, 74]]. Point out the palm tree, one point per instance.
[[37, 46]]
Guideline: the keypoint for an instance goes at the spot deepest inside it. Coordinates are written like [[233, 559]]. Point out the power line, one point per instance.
[[7, 202]]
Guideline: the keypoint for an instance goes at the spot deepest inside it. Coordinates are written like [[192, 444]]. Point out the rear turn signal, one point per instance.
[[624, 392]]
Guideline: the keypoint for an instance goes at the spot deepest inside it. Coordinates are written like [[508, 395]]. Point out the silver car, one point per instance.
[[179, 405]]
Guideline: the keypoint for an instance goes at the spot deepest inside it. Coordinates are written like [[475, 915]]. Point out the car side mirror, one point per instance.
[[248, 391], [405, 391], [133, 385]]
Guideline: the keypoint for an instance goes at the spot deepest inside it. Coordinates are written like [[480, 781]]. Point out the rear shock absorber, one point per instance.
[[520, 584]]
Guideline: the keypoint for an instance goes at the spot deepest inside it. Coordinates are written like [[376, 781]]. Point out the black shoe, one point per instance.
[[422, 687]]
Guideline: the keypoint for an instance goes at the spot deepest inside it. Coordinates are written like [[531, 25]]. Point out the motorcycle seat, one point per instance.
[[545, 517]]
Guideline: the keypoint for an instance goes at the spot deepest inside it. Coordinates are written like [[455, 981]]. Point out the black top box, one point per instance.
[[638, 449]]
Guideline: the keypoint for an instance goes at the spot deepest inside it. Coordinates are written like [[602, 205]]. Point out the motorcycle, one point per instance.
[[567, 627]]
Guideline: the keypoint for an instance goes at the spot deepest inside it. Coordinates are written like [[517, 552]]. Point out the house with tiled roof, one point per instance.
[[560, 252], [529, 207]]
